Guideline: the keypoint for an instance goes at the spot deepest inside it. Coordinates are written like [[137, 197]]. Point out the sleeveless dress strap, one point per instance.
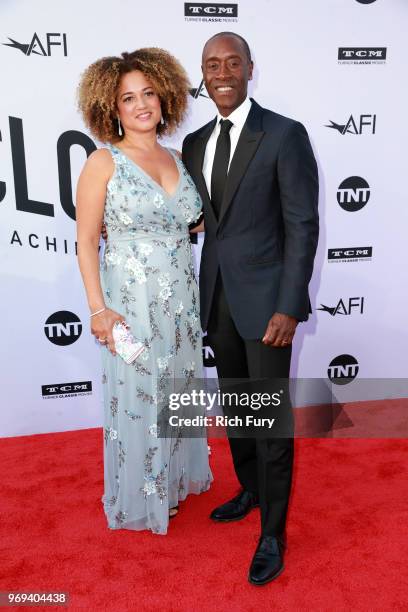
[[174, 152], [119, 160]]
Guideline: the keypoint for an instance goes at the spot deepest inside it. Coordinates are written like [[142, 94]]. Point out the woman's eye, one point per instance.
[[128, 99], [149, 93]]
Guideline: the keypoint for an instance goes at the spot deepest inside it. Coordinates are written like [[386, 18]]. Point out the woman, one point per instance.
[[145, 197]]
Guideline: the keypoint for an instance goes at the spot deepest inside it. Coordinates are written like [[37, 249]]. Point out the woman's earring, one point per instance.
[[162, 120], [120, 132]]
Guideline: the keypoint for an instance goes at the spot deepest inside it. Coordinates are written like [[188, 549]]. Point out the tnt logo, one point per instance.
[[343, 369], [208, 354], [63, 328], [353, 193], [52, 42]]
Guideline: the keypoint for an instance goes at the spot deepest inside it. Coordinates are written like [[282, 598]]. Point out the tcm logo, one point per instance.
[[361, 55], [353, 193], [208, 354], [363, 124], [67, 389], [350, 254], [365, 1], [45, 47], [345, 307], [199, 92], [199, 9], [343, 369], [63, 328]]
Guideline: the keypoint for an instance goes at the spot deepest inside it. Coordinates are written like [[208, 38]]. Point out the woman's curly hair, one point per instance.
[[99, 86]]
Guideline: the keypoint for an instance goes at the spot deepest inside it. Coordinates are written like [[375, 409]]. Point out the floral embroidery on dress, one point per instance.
[[122, 454], [121, 517], [153, 430], [114, 405], [132, 416], [148, 277], [110, 434]]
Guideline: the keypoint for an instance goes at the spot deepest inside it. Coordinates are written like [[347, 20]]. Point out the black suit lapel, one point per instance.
[[249, 140], [198, 154]]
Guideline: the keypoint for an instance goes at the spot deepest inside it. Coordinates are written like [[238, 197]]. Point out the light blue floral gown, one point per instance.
[[147, 275]]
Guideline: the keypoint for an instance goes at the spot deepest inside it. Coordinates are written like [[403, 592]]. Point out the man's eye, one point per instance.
[[212, 66]]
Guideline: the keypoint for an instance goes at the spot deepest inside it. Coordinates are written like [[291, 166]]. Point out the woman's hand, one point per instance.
[[101, 327]]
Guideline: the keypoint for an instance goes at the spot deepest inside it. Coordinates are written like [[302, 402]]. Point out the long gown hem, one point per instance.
[[145, 523]]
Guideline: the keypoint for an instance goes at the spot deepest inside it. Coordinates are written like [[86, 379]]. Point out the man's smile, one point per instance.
[[223, 88]]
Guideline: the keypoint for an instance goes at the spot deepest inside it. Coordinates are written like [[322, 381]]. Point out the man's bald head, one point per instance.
[[227, 68], [241, 39]]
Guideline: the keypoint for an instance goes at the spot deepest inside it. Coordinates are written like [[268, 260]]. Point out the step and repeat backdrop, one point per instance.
[[338, 66]]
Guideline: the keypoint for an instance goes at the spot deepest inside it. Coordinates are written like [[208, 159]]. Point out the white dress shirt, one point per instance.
[[238, 118]]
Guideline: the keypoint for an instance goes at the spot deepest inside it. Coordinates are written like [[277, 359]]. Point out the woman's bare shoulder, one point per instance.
[[100, 162], [100, 157]]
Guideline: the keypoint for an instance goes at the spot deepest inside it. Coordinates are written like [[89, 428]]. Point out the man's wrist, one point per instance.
[[284, 314]]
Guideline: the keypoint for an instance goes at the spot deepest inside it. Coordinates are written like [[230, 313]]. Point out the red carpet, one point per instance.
[[347, 532]]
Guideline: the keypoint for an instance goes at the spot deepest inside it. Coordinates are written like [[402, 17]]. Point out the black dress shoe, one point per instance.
[[236, 508], [267, 563]]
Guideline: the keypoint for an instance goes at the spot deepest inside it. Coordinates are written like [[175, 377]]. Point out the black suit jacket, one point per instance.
[[265, 239]]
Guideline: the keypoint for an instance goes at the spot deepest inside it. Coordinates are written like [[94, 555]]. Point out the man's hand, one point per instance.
[[104, 232], [280, 331]]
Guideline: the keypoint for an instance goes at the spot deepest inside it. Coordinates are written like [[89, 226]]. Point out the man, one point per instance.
[[258, 180]]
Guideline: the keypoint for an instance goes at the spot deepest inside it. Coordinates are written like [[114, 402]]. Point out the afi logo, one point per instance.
[[345, 307], [197, 92], [366, 123], [343, 369], [44, 47], [208, 354], [353, 193], [63, 328]]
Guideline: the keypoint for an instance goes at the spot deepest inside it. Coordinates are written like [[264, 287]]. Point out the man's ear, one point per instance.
[[251, 68]]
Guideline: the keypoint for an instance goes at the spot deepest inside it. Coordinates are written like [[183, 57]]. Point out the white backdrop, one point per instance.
[[45, 45]]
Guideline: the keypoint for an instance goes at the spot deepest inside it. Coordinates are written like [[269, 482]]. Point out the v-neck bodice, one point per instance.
[[137, 205], [149, 177]]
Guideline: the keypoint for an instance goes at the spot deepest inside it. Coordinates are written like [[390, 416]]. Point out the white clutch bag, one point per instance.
[[126, 344]]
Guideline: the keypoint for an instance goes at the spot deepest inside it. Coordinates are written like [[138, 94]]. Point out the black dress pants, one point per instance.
[[263, 465]]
